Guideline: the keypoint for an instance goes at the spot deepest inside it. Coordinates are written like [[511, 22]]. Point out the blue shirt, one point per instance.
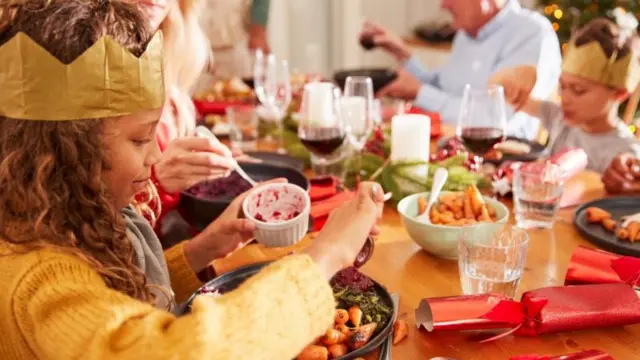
[[515, 36]]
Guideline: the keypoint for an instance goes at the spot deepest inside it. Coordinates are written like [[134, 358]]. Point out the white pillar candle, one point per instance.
[[354, 113], [410, 137], [320, 106]]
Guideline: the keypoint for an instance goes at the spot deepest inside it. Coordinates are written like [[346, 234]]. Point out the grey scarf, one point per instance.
[[150, 257]]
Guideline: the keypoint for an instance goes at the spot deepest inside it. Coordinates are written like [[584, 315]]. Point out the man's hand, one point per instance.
[[405, 86], [386, 40]]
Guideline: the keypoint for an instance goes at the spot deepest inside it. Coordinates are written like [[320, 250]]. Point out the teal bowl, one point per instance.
[[439, 240]]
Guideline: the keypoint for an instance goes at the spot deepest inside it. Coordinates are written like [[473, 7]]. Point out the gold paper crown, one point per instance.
[[105, 81], [591, 62]]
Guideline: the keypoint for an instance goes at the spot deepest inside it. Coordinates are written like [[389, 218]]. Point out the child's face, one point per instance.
[[131, 151], [584, 101]]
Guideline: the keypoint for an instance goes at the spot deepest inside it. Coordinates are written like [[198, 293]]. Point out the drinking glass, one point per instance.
[[482, 122], [321, 127], [243, 121], [272, 83], [491, 258], [357, 113], [537, 189]]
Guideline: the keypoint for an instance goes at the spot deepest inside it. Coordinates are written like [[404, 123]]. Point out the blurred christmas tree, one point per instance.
[[565, 15]]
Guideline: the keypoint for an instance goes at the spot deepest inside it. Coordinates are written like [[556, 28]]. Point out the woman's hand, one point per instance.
[[623, 175], [518, 83], [190, 160], [347, 229], [226, 234], [387, 40]]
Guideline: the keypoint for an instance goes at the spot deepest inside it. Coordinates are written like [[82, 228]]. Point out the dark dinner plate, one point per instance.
[[595, 233], [537, 151], [380, 77], [200, 212], [276, 159], [233, 279]]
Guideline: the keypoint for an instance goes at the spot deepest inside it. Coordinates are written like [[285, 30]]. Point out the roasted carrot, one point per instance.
[[333, 336], [314, 352], [609, 224], [400, 331], [484, 214], [355, 315], [634, 229], [361, 336], [337, 350], [422, 205], [477, 201], [468, 210], [596, 215], [343, 329], [622, 234], [341, 317]]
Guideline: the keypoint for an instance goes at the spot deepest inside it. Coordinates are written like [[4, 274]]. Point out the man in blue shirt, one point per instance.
[[493, 35]]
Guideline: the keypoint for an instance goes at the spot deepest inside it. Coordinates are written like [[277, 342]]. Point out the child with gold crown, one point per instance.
[[84, 275], [600, 69]]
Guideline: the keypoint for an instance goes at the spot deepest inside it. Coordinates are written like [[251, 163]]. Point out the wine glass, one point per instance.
[[272, 82], [321, 128], [357, 113], [482, 123]]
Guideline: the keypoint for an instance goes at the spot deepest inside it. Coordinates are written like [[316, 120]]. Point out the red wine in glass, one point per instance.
[[322, 141], [479, 140], [367, 42]]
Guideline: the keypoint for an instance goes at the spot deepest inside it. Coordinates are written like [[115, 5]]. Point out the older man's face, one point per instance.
[[467, 15]]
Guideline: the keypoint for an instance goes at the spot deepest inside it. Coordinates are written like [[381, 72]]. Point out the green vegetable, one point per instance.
[[373, 310]]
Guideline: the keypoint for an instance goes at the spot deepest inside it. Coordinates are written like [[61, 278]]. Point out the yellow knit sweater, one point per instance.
[[54, 306]]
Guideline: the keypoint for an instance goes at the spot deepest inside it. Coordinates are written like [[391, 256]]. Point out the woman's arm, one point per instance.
[[64, 311]]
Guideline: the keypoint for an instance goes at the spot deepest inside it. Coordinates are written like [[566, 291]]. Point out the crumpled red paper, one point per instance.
[[592, 266], [325, 196], [583, 355], [547, 310]]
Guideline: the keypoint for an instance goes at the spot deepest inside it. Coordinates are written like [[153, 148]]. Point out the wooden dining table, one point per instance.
[[402, 266]]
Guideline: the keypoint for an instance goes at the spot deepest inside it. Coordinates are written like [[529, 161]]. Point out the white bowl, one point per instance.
[[439, 240], [283, 233]]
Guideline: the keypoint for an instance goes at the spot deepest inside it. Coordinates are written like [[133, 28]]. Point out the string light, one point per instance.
[[556, 26], [558, 14]]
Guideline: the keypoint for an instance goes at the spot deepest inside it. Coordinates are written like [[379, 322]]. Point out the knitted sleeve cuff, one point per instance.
[[184, 280]]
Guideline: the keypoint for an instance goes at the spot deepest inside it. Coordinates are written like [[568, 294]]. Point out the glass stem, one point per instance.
[[358, 166], [281, 148]]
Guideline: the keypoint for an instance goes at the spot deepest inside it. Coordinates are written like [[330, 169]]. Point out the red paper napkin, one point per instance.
[[542, 311], [325, 196], [216, 107], [592, 266], [583, 355]]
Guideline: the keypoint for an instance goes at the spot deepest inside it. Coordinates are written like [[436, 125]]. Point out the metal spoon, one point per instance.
[[367, 249], [439, 179], [205, 132]]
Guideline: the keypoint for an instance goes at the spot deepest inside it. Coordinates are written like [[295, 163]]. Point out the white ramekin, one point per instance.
[[284, 233]]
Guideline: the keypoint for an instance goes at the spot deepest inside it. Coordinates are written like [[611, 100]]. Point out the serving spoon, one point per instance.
[[439, 179], [203, 131]]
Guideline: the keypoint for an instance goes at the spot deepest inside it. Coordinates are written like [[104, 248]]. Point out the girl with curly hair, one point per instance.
[[84, 274]]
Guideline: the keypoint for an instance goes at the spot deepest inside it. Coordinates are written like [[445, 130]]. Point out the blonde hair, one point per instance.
[[187, 53]]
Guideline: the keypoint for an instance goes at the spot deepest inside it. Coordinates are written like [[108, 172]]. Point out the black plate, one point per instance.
[[276, 159], [199, 212], [380, 77], [618, 207], [537, 151], [233, 279]]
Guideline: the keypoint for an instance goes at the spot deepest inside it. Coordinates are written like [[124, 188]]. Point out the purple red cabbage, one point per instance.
[[225, 188], [352, 278]]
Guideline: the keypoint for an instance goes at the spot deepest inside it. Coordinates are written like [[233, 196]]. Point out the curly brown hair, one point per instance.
[[52, 193]]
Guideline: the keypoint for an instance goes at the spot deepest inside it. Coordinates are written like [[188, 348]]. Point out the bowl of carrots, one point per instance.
[[448, 215]]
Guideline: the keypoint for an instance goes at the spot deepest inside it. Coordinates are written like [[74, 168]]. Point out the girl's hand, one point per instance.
[[225, 235], [518, 83], [347, 229], [190, 160]]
